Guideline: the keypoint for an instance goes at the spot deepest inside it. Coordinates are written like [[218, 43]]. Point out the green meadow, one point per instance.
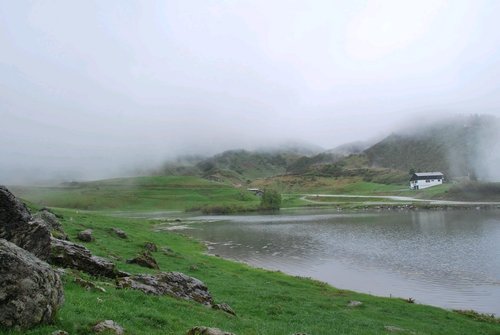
[[136, 194], [266, 302]]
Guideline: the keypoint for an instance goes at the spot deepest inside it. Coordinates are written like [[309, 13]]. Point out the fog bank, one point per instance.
[[93, 89]]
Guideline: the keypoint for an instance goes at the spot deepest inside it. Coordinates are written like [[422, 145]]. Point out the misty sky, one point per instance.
[[89, 88]]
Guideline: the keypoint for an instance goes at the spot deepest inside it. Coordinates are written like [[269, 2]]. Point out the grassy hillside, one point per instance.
[[313, 184], [248, 164], [141, 193], [455, 147], [266, 303]]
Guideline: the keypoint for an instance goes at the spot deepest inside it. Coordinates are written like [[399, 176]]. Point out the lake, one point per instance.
[[449, 259]]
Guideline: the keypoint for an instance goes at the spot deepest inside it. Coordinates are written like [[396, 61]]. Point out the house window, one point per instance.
[[427, 181]]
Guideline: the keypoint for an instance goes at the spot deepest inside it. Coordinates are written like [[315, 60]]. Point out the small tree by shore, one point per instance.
[[271, 200]]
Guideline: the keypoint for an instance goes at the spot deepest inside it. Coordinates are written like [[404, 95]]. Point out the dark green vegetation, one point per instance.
[[266, 302], [235, 166], [475, 191], [270, 200]]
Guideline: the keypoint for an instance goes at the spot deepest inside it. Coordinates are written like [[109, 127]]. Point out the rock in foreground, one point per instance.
[[119, 232], [85, 235], [71, 255], [207, 331], [108, 326], [18, 226], [225, 308], [145, 260], [30, 291], [52, 223], [175, 284]]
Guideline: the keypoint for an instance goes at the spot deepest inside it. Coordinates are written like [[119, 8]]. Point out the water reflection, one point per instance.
[[449, 259]]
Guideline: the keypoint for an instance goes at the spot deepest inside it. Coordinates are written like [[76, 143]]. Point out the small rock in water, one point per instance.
[[86, 235], [354, 303], [110, 326], [207, 331]]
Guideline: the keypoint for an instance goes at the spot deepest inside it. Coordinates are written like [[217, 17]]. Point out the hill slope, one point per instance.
[[457, 147]]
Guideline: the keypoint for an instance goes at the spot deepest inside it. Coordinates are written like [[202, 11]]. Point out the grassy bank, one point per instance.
[[140, 193], [188, 193], [265, 302]]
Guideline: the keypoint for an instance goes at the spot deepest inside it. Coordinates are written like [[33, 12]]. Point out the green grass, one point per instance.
[[349, 199], [265, 302], [141, 193], [343, 185]]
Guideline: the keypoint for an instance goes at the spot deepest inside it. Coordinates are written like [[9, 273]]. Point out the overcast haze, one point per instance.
[[90, 89]]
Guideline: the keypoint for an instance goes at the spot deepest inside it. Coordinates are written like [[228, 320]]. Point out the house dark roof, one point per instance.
[[427, 175]]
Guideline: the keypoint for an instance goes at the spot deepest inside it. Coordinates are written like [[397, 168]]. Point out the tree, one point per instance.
[[271, 200]]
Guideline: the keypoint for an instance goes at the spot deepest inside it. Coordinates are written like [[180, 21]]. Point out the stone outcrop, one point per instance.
[[71, 255], [11, 209], [225, 308], [85, 235], [31, 292], [175, 284], [50, 219], [88, 285], [18, 226], [145, 260], [354, 303], [150, 246], [167, 251], [207, 331], [108, 326], [59, 332], [120, 233]]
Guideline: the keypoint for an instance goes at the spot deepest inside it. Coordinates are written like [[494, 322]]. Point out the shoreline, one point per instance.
[[211, 249]]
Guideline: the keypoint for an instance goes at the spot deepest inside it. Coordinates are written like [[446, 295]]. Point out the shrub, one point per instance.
[[271, 200]]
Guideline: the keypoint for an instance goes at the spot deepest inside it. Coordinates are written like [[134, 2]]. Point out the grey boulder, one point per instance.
[[85, 235], [71, 255], [175, 284], [18, 226], [52, 223], [119, 232], [31, 292], [207, 331], [108, 326]]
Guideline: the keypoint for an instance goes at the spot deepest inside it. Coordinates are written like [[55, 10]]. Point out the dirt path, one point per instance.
[[395, 199]]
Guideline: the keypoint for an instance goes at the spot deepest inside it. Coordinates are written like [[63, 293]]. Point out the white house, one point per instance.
[[421, 180]]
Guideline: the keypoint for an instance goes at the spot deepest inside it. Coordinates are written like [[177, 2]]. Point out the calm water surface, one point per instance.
[[448, 259]]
